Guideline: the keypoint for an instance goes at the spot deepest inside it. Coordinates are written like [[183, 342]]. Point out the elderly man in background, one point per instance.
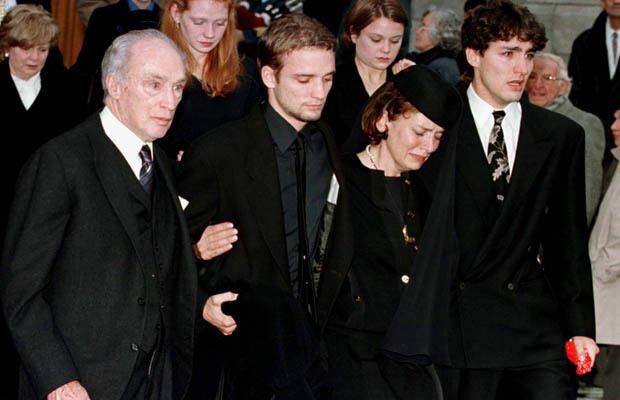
[[548, 86], [604, 249]]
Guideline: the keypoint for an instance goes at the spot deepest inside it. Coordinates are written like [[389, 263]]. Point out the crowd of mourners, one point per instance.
[[270, 199]]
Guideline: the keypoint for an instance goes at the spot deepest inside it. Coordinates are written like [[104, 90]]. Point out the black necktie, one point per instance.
[[498, 157], [304, 275], [146, 171]]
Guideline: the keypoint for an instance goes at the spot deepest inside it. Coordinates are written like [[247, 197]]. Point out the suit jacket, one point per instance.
[[593, 89], [86, 7], [73, 269], [508, 309]]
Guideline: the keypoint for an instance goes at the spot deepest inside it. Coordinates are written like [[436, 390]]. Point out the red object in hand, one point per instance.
[[583, 366]]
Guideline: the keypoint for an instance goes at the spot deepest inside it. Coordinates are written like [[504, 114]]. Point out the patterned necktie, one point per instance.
[[146, 171], [497, 156]]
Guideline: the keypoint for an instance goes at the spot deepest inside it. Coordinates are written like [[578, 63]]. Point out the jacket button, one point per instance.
[[134, 347], [358, 299], [163, 306], [141, 301], [405, 279], [511, 286], [462, 285]]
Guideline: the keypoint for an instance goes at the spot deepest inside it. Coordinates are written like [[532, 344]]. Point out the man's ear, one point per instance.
[[113, 87], [268, 75], [473, 57]]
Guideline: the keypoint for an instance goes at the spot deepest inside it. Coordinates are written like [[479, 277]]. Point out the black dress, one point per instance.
[[198, 112], [382, 210]]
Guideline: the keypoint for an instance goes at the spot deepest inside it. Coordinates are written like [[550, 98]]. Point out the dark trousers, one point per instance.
[[607, 371], [551, 380]]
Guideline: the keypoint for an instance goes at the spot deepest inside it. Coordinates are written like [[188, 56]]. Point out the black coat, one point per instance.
[[593, 89], [509, 310], [73, 269]]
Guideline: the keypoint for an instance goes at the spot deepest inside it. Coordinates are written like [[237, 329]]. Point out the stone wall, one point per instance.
[[564, 20]]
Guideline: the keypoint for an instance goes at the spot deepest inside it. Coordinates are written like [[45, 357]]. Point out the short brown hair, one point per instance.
[[501, 20], [223, 67], [25, 26], [386, 99], [364, 12], [292, 32]]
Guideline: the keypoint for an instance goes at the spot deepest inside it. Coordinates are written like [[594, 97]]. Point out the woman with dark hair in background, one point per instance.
[[223, 86], [373, 32], [386, 205]]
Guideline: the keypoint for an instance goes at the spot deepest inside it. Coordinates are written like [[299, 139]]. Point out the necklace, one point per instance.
[[372, 159]]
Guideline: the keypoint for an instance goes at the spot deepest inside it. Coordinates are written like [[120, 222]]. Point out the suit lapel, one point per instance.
[[472, 166], [111, 169], [263, 189]]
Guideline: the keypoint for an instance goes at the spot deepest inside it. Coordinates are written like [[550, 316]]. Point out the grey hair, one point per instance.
[[562, 69], [445, 30], [116, 58]]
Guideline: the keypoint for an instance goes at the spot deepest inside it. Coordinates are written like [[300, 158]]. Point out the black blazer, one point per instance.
[[593, 89], [507, 309], [230, 174], [73, 270]]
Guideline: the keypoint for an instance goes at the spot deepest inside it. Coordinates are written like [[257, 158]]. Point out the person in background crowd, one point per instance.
[[106, 24], [257, 191], [437, 41], [548, 86], [604, 249], [522, 286], [386, 205], [85, 8], [593, 67], [374, 31], [98, 282], [223, 86], [36, 104]]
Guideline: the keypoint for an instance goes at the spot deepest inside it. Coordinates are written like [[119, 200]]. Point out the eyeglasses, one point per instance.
[[546, 77]]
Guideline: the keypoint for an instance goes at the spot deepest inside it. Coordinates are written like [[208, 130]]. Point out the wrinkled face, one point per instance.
[[501, 72], [203, 24], [544, 83], [611, 7], [412, 137], [377, 45], [299, 90], [26, 63], [422, 34], [146, 99]]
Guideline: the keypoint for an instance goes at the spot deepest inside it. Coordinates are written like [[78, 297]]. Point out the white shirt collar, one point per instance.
[[482, 113], [28, 89], [608, 42], [127, 142]]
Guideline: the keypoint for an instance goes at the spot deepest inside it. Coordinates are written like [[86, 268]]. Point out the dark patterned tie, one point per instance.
[[146, 171], [614, 47], [498, 157]]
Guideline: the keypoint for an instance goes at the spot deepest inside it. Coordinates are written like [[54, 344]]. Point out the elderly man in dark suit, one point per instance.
[[98, 284], [593, 66], [262, 185], [523, 285]]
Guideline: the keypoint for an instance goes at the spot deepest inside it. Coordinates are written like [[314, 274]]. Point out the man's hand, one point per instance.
[[212, 313], [215, 240], [69, 391], [584, 344]]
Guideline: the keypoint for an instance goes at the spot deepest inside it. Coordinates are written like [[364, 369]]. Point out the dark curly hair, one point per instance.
[[501, 20], [386, 99]]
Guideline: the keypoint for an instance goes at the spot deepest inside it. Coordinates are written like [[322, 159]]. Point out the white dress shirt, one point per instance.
[[610, 54], [28, 89], [127, 142], [483, 118]]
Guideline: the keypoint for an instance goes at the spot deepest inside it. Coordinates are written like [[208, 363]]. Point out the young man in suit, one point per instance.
[[245, 180], [98, 283], [523, 284]]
